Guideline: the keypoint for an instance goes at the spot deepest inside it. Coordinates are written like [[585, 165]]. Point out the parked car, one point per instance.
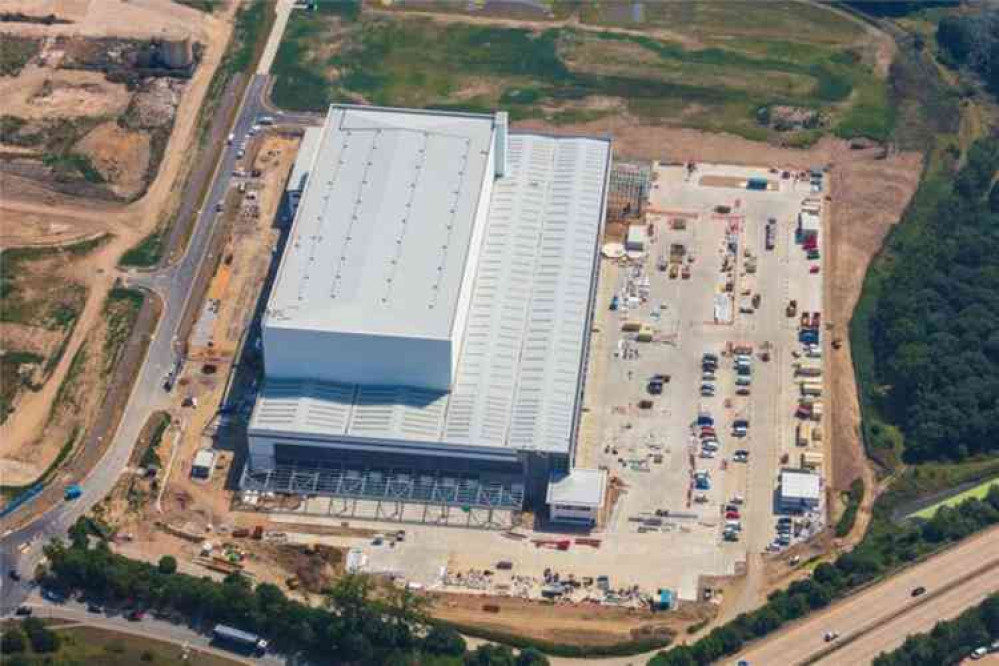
[[917, 591], [94, 607], [23, 611], [831, 636], [136, 615]]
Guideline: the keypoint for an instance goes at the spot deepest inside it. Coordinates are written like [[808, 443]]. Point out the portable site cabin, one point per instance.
[[799, 490], [811, 460], [637, 238]]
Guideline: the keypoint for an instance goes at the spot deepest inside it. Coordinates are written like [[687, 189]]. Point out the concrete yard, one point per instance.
[[619, 435], [637, 547]]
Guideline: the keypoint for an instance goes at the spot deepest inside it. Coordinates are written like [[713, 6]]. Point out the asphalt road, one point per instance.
[[20, 548], [149, 627], [879, 618]]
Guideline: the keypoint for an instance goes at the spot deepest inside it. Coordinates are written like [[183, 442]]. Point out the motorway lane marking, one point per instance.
[[904, 610]]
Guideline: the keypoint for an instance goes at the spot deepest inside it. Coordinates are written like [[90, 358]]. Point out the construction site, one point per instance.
[[702, 366], [692, 435]]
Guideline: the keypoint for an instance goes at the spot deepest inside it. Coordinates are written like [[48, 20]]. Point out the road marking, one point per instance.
[[904, 610]]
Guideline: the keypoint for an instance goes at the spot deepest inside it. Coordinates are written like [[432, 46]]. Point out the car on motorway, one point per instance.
[[23, 611], [917, 591]]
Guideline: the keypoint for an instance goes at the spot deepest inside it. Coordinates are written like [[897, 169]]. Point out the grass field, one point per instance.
[[978, 492], [718, 75]]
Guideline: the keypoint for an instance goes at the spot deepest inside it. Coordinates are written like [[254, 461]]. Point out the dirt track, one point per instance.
[[129, 223]]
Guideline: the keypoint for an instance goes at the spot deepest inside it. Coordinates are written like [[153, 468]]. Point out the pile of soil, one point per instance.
[[154, 106]]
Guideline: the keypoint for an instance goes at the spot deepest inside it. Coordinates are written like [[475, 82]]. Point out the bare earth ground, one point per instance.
[[141, 19], [583, 624], [25, 208], [121, 155], [70, 93]]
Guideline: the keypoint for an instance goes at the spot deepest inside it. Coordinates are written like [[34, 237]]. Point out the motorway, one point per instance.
[[879, 618]]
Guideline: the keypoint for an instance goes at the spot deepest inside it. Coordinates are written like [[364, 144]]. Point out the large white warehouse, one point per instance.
[[426, 335]]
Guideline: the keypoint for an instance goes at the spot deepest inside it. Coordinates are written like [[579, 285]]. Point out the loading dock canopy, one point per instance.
[[580, 487]]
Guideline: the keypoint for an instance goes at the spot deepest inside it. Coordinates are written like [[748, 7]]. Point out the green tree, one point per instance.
[[12, 641], [167, 565], [491, 655], [444, 640], [531, 657]]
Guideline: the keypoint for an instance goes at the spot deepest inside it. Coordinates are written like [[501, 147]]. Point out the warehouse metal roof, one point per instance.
[[383, 229], [519, 376]]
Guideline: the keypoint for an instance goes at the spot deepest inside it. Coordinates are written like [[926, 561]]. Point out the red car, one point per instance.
[[708, 432], [814, 269], [136, 615], [731, 515]]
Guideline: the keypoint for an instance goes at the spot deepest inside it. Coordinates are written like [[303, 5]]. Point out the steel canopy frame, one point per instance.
[[332, 479]]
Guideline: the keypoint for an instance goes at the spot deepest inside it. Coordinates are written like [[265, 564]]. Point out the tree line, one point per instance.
[[948, 642], [972, 40], [935, 327], [886, 547], [361, 623]]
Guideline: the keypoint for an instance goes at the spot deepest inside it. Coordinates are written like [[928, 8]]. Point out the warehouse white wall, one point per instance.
[[472, 260], [354, 358]]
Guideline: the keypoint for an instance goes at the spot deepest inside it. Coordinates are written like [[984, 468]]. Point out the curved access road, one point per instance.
[[76, 614], [879, 618]]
